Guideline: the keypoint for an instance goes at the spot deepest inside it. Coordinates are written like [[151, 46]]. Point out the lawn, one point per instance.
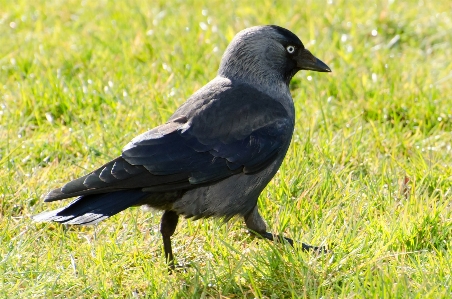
[[368, 173]]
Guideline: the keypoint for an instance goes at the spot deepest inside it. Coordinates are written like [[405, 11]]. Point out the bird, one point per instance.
[[216, 153]]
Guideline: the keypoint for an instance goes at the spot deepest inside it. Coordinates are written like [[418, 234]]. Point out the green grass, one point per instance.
[[369, 171]]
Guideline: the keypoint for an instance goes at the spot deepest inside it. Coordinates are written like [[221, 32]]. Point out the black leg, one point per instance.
[[257, 225], [168, 225]]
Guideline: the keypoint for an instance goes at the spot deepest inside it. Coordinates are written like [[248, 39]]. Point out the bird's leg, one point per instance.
[[168, 225], [257, 225]]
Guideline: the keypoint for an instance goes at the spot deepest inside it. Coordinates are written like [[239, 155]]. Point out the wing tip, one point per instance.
[[54, 195]]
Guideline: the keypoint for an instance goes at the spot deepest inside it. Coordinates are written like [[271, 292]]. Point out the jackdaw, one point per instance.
[[215, 154]]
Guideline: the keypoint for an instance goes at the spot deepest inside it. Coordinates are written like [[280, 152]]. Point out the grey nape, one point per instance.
[[215, 154]]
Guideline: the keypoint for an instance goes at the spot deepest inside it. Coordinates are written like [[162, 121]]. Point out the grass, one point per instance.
[[369, 171]]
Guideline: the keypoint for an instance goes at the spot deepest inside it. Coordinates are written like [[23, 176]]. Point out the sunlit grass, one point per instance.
[[369, 171]]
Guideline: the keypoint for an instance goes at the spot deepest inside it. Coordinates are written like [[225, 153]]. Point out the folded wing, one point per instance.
[[237, 130]]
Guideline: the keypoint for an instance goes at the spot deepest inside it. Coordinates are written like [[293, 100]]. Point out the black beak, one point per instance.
[[307, 61]]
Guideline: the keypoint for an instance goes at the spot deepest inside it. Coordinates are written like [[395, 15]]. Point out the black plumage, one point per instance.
[[216, 153]]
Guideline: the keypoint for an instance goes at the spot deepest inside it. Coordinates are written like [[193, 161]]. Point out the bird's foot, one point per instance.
[[304, 246], [179, 267], [315, 249]]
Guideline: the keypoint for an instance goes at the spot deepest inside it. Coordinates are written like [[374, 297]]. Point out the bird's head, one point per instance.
[[267, 54]]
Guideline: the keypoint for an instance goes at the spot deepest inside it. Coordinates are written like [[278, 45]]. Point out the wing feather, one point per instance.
[[236, 129]]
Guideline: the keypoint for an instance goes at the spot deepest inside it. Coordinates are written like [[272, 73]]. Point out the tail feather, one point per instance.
[[91, 209]]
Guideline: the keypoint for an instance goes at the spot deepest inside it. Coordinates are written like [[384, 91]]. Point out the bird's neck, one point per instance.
[[272, 86], [237, 65]]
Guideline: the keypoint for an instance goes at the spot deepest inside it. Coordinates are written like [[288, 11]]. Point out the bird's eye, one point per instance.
[[290, 49]]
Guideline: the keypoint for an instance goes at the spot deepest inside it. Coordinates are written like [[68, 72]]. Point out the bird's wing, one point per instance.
[[237, 129]]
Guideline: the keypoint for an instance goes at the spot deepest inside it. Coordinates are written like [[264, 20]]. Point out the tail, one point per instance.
[[91, 209]]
